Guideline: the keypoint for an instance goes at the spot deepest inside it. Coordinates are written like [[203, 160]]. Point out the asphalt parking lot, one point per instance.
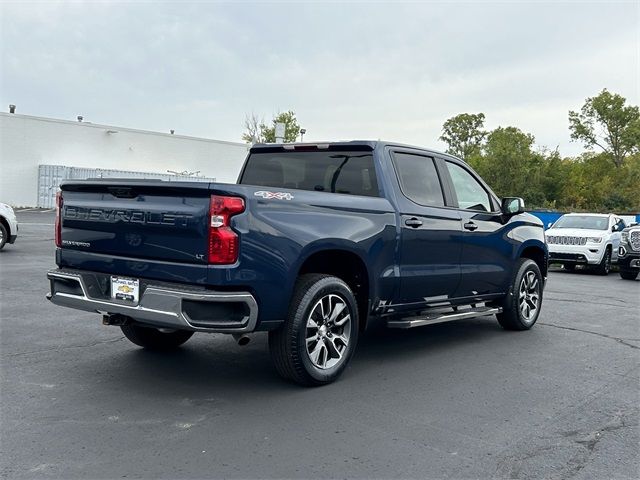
[[457, 400]]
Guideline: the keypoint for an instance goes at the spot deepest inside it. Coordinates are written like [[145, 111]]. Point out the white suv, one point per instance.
[[8, 225], [585, 239]]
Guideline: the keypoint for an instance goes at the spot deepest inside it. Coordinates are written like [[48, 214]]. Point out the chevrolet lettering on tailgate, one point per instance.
[[126, 216]]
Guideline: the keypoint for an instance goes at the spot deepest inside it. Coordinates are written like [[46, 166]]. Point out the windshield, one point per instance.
[[582, 221], [350, 172]]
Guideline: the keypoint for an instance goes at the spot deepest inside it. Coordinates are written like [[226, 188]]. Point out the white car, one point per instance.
[[8, 225], [588, 239]]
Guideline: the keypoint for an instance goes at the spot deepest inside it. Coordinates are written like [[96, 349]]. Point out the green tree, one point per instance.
[[507, 159], [554, 176], [258, 132], [588, 183], [606, 122], [592, 180], [510, 166], [628, 181], [464, 134]]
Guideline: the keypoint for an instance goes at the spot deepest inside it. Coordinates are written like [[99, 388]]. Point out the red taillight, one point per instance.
[[223, 241], [58, 227]]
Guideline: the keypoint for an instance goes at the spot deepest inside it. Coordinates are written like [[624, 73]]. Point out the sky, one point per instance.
[[359, 70]]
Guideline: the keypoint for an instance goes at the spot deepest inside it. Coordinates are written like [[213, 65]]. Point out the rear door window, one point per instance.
[[418, 179], [348, 172]]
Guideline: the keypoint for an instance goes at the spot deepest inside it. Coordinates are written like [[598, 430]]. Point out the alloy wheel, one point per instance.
[[328, 331], [529, 296]]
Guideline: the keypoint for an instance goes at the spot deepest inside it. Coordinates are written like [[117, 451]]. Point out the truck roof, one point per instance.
[[342, 144]]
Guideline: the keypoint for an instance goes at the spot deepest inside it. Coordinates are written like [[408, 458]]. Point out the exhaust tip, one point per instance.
[[242, 339]]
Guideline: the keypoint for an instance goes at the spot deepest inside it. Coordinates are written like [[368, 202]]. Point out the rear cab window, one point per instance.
[[418, 179], [345, 171]]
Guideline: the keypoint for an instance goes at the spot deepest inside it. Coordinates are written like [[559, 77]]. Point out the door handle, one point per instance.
[[413, 222], [470, 226]]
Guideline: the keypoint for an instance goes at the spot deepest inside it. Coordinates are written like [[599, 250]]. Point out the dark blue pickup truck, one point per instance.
[[315, 243]]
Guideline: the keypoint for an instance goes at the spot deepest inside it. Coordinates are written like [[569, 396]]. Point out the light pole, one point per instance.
[[302, 132]]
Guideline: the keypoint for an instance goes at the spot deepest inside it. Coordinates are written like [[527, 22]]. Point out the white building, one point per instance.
[[31, 148]]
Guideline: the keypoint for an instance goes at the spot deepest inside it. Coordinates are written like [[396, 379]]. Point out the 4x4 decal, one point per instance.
[[276, 195]]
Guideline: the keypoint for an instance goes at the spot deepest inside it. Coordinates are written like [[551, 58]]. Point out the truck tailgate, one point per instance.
[[138, 219]]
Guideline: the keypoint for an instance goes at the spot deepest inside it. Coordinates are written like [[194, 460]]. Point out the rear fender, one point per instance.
[[324, 245]]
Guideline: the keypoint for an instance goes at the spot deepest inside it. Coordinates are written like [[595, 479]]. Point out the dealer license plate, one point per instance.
[[125, 289]]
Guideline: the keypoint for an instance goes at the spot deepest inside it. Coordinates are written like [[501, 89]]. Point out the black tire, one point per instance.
[[154, 339], [4, 236], [513, 317], [629, 274], [290, 345], [604, 267], [569, 267]]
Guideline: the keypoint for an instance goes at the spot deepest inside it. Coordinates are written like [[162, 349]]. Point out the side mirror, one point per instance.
[[550, 224], [512, 205]]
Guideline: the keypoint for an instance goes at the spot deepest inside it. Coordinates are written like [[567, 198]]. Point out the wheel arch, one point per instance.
[[349, 267], [538, 254], [6, 225]]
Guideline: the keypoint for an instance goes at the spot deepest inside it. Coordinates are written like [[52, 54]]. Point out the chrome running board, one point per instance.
[[430, 319]]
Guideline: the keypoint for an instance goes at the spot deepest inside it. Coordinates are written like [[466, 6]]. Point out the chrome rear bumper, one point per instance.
[[161, 306]]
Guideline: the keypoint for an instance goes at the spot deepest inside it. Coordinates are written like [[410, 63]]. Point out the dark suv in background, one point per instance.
[[629, 252]]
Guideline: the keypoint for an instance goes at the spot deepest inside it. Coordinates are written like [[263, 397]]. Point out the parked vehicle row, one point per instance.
[[588, 239]]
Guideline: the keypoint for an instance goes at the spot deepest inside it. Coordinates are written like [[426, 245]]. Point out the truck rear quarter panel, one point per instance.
[[277, 236]]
